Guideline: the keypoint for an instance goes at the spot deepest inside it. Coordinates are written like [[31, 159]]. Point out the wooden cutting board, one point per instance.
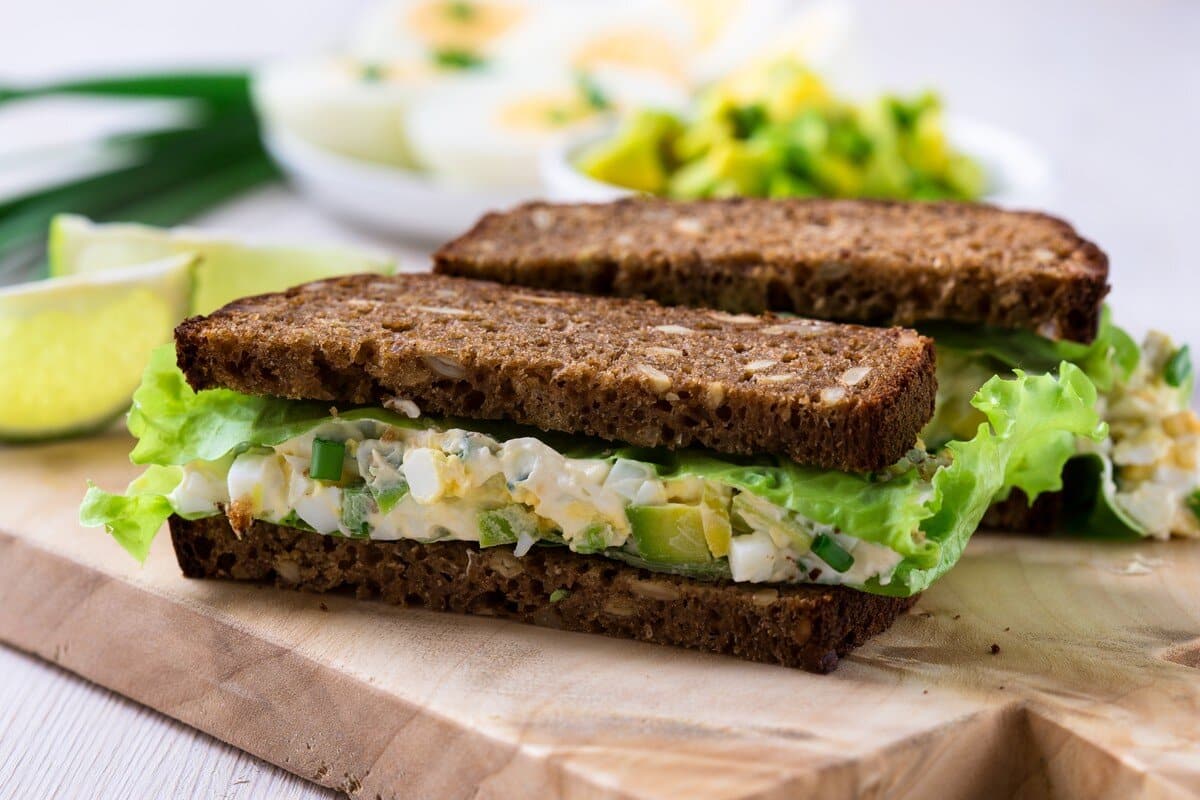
[[1035, 669]]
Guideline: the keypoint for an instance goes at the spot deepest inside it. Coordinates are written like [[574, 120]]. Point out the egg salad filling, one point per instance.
[[1143, 479], [368, 479], [388, 473]]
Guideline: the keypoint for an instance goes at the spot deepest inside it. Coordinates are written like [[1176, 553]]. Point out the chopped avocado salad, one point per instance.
[[373, 473], [1143, 479], [777, 131]]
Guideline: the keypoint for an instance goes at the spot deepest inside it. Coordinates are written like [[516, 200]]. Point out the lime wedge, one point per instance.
[[72, 350], [227, 270]]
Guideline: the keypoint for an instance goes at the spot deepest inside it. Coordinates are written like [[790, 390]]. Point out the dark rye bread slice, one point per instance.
[[834, 396], [1017, 515], [863, 261], [795, 626]]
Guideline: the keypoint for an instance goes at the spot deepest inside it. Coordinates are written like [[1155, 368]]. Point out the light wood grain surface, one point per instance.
[[1109, 88], [66, 738], [1037, 668]]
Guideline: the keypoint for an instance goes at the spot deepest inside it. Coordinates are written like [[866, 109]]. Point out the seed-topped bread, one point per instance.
[[797, 626], [858, 260], [835, 396]]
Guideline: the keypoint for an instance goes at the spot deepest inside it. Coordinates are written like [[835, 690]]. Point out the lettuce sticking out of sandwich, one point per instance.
[[376, 473], [1143, 479], [997, 290]]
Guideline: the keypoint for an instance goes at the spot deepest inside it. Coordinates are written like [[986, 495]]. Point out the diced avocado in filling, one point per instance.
[[1143, 479], [691, 512], [672, 533]]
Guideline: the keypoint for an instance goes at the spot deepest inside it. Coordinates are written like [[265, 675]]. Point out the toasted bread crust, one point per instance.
[[795, 626], [865, 261], [835, 396]]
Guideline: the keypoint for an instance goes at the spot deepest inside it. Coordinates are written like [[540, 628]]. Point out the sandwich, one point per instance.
[[751, 485], [999, 291]]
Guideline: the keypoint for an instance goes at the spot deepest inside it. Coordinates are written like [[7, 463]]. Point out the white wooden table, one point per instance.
[[1111, 90]]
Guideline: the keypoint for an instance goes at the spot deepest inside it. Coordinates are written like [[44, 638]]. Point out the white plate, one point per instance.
[[1018, 172], [385, 199]]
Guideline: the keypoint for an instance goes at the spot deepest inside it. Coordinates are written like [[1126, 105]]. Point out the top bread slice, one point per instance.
[[866, 261], [835, 396]]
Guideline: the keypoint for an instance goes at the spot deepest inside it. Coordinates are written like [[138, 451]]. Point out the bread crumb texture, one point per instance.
[[835, 396]]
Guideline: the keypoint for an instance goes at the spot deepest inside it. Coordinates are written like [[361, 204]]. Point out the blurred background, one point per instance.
[[1108, 93], [1089, 110]]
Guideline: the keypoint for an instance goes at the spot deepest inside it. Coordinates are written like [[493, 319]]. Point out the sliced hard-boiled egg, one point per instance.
[[352, 107], [590, 35], [729, 32], [489, 130], [815, 35], [423, 29]]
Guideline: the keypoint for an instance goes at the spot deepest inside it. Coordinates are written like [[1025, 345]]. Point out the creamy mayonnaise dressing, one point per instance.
[[434, 485]]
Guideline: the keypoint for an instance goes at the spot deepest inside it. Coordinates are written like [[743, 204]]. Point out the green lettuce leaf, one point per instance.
[[1111, 356], [135, 517], [1032, 422], [1090, 505], [176, 425]]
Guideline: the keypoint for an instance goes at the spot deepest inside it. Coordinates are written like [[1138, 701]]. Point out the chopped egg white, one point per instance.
[[262, 481], [431, 474], [317, 503], [756, 558], [202, 489]]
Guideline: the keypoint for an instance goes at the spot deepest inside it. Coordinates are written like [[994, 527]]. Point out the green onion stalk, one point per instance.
[[171, 176]]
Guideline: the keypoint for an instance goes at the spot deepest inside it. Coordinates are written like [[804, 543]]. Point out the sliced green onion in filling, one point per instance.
[[832, 553], [327, 460], [1179, 367]]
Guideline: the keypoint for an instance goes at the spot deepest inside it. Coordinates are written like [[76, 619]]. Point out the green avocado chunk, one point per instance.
[[634, 157], [387, 498], [670, 534]]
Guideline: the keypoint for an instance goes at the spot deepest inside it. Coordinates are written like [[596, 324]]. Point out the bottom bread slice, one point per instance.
[[1016, 515], [796, 626]]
